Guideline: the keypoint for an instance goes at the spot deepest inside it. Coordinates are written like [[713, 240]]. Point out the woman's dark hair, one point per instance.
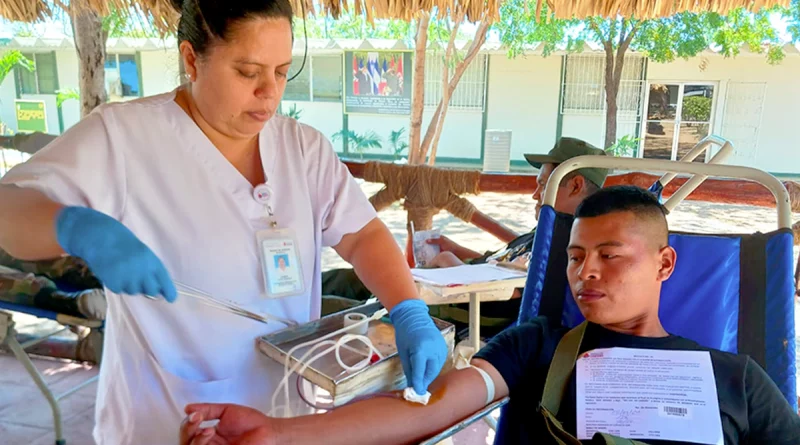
[[203, 21]]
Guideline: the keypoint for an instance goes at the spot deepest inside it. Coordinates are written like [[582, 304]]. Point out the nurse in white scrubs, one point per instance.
[[182, 188]]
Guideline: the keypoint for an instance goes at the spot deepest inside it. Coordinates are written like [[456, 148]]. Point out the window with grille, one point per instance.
[[584, 84], [41, 81], [468, 95], [327, 78], [299, 88]]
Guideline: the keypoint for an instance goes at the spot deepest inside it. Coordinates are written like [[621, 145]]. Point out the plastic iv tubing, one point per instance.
[[334, 346]]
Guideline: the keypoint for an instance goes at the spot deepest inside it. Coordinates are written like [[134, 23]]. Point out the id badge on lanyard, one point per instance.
[[278, 251]]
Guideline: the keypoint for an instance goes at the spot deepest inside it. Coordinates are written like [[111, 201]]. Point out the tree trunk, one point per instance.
[[430, 142], [438, 123], [90, 44], [612, 88], [418, 98], [615, 61]]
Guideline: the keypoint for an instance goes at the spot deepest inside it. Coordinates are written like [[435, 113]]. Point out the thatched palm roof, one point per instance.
[[164, 16]]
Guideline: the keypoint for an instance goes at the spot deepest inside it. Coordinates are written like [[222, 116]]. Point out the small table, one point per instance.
[[474, 293]]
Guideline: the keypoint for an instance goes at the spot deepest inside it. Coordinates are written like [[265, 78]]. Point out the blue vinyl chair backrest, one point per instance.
[[734, 293]]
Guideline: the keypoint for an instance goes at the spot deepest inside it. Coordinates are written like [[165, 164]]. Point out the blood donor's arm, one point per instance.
[[380, 420]]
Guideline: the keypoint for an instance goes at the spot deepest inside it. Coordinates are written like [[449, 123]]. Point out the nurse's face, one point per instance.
[[239, 82]]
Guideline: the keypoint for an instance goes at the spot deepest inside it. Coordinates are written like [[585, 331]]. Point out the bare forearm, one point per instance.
[[465, 254], [388, 421], [379, 263], [27, 224]]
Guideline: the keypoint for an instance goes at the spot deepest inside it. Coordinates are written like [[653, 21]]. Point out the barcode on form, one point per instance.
[[676, 411]]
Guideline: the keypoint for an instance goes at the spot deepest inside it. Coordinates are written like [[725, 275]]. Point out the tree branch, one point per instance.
[[441, 109], [418, 99], [437, 125]]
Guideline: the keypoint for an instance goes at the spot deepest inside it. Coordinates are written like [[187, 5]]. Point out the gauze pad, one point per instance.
[[412, 396]]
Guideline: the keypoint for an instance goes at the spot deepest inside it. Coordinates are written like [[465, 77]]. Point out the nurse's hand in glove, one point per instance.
[[237, 425], [420, 344], [113, 253]]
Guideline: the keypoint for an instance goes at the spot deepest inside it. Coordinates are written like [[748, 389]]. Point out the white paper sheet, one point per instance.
[[467, 274], [648, 394]]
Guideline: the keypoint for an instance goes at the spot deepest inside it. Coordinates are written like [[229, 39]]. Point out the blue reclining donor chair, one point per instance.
[[732, 292]]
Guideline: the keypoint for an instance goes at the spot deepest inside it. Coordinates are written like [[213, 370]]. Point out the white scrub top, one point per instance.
[[147, 164]]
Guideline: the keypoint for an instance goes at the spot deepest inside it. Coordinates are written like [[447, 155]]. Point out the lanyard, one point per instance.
[[263, 194]]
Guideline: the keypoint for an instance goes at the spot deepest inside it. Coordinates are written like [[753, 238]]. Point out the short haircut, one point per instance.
[[625, 198]]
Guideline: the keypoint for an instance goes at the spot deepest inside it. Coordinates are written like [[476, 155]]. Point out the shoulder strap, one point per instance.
[[556, 385], [561, 368]]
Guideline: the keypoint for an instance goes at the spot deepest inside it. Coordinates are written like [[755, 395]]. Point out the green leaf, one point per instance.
[[65, 95], [12, 59]]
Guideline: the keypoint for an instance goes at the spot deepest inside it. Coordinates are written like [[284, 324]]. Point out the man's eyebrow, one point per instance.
[[605, 244]]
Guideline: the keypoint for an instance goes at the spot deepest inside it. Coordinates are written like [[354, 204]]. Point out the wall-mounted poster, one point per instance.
[[377, 82]]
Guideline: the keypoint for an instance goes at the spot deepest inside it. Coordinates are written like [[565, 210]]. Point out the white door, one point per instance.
[[679, 115]]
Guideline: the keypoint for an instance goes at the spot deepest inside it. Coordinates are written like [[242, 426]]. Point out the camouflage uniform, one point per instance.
[[33, 283], [68, 271]]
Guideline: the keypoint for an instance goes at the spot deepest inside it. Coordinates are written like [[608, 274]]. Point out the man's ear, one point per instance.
[[577, 185], [668, 259]]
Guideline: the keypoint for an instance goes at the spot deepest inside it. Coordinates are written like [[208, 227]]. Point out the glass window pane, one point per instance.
[[298, 89], [46, 73], [27, 79], [658, 140], [113, 83], [327, 78], [697, 101], [129, 75], [663, 102], [689, 136]]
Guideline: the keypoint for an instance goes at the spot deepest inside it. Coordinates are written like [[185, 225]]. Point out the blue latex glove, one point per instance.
[[420, 344], [113, 253]]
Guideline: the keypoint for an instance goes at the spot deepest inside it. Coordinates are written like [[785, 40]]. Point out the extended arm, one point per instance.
[[380, 420], [28, 224]]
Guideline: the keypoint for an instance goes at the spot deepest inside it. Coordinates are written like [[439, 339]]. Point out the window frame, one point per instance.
[[19, 71], [138, 61]]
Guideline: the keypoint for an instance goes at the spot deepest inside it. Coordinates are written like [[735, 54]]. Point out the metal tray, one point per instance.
[[326, 373]]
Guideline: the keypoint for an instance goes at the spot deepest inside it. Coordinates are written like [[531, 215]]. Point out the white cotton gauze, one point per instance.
[[412, 396]]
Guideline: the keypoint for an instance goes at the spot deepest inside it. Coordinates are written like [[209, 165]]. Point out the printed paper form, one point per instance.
[[648, 394], [465, 275]]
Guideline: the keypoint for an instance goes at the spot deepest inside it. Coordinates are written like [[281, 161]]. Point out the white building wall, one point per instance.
[[8, 93], [523, 98], [324, 116], [160, 71], [67, 61], [778, 148]]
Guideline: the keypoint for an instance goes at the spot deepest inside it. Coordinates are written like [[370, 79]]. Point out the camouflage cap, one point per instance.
[[567, 148]]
